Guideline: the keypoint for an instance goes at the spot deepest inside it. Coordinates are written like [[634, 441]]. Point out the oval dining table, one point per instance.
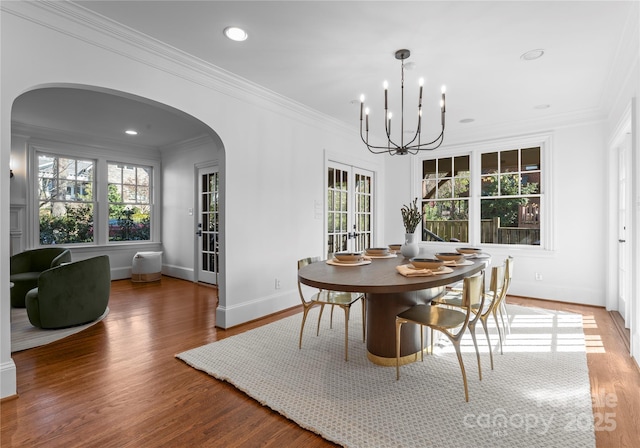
[[388, 293]]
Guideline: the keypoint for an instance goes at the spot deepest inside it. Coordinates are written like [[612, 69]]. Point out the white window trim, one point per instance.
[[475, 150], [102, 156]]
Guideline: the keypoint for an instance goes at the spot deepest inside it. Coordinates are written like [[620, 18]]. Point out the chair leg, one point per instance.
[[304, 318], [475, 344], [421, 343], [495, 318], [320, 318], [486, 333], [456, 344], [504, 315], [346, 332], [331, 318], [432, 341], [398, 328], [364, 319]]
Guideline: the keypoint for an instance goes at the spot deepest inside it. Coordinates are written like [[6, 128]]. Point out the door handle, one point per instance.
[[622, 241], [199, 233]]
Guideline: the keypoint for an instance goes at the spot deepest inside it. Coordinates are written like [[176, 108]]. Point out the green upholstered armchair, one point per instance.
[[27, 266], [71, 294]]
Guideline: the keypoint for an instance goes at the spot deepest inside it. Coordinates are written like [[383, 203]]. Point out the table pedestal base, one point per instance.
[[381, 326]]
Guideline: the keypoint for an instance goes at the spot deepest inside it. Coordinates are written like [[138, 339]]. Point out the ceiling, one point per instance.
[[324, 54]]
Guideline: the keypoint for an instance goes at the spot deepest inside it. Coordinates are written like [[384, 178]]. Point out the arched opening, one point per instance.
[[79, 122]]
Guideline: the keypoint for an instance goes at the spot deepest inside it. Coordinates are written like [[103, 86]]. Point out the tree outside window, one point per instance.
[[510, 197], [129, 202]]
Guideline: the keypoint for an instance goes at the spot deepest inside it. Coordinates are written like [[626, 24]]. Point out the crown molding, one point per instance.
[[130, 43], [477, 131]]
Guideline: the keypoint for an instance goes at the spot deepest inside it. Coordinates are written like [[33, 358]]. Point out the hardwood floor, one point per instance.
[[118, 384]]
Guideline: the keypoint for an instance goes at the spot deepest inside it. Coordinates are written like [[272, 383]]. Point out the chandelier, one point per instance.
[[413, 145]]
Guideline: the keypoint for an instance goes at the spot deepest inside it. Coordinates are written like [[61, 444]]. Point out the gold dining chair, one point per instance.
[[334, 298], [444, 320], [501, 307], [491, 302]]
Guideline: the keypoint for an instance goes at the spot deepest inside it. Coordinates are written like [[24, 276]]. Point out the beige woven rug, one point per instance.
[[537, 396], [25, 336]]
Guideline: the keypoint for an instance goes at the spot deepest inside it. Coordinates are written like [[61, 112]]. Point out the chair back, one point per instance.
[[495, 288], [497, 279], [508, 272], [302, 263], [472, 291], [39, 260], [70, 294]]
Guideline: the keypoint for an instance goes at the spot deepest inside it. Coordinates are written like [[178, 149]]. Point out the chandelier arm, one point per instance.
[[382, 149], [439, 137], [424, 147]]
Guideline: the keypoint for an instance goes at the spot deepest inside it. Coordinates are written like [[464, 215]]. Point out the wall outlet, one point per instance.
[[538, 277], [277, 283]]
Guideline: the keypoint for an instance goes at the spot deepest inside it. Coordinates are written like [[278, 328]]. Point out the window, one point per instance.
[[129, 202], [66, 199], [81, 197], [445, 199], [510, 190], [488, 196]]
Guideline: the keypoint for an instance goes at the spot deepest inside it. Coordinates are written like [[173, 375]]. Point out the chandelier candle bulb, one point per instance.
[[400, 147], [386, 88]]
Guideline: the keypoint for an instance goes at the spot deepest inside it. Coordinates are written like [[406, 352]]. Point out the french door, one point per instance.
[[350, 199], [208, 232]]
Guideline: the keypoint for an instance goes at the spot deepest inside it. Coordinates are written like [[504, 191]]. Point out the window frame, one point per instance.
[[102, 156], [475, 151], [150, 187]]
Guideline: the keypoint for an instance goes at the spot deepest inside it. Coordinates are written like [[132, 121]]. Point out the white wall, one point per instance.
[[273, 154], [577, 156]]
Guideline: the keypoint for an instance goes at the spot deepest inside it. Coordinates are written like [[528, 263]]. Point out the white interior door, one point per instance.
[[208, 232], [349, 211], [624, 244]]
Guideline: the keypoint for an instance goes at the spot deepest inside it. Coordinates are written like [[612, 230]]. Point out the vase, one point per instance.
[[410, 247]]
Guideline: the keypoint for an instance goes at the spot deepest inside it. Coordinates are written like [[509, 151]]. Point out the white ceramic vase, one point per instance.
[[410, 247]]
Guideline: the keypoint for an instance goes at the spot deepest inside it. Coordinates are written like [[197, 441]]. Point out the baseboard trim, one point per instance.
[[624, 333]]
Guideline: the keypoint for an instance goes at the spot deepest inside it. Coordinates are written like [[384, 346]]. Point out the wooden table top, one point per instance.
[[379, 277]]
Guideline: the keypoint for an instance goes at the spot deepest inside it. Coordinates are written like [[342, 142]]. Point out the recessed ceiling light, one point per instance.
[[131, 132], [532, 54], [235, 33], [467, 120], [542, 106]]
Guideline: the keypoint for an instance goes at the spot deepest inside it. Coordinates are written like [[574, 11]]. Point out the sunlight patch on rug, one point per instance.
[[538, 394]]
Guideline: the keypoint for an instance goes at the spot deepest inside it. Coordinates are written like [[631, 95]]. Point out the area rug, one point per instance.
[[537, 395], [25, 336]]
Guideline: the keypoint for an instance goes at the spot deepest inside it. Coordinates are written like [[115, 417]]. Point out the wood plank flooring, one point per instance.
[[117, 384]]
